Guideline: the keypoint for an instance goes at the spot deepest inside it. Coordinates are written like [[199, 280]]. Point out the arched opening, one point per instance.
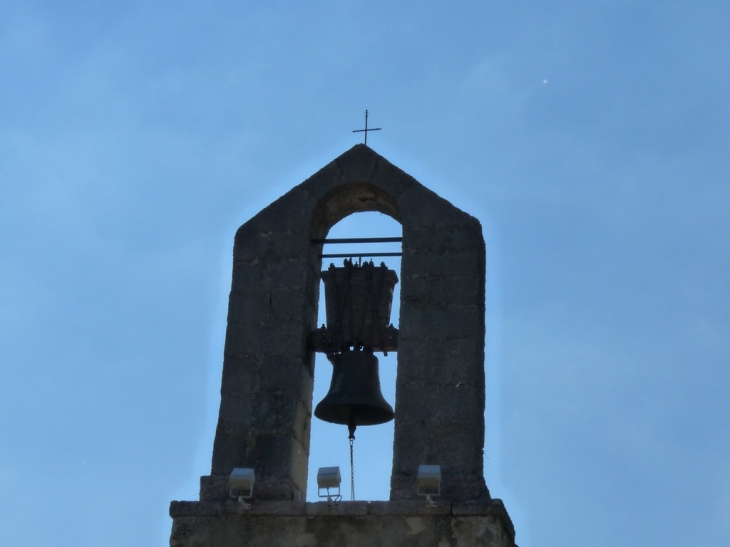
[[373, 447]]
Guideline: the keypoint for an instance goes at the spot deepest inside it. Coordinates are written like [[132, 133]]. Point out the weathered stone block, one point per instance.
[[422, 208], [416, 291], [285, 338], [341, 508], [443, 239], [274, 456], [277, 411], [395, 182], [465, 454], [290, 213], [410, 507], [271, 246], [265, 275], [456, 447], [439, 403], [323, 182], [457, 291], [424, 263], [272, 306], [442, 323], [241, 374], [300, 463], [359, 166], [455, 361], [268, 372]]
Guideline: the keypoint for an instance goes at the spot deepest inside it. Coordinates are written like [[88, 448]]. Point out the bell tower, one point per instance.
[[266, 405]]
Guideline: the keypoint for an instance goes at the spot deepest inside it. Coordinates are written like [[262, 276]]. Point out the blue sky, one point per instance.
[[590, 140]]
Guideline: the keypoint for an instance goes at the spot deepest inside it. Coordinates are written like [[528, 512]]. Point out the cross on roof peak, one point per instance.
[[366, 128]]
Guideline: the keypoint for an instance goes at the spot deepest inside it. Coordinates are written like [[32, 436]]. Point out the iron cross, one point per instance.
[[366, 128]]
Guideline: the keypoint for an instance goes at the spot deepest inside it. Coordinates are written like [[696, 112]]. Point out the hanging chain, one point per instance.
[[352, 470]]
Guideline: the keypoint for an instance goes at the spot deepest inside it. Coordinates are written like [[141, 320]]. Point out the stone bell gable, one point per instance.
[[266, 392]]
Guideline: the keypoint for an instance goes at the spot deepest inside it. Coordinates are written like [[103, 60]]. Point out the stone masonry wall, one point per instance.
[[351, 524]]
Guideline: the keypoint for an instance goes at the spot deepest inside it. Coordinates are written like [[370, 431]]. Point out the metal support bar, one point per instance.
[[359, 255], [360, 240]]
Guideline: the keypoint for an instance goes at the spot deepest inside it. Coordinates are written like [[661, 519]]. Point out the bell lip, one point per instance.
[[382, 415]]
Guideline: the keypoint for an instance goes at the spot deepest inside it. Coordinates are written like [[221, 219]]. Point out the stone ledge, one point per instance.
[[408, 508], [340, 508], [493, 507], [232, 507]]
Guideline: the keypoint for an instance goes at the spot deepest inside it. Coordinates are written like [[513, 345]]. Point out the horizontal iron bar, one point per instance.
[[358, 255], [361, 240]]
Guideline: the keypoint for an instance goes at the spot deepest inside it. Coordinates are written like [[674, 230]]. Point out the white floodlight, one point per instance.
[[240, 484], [428, 482], [329, 477]]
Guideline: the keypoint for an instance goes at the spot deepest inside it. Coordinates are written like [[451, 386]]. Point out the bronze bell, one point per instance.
[[354, 397]]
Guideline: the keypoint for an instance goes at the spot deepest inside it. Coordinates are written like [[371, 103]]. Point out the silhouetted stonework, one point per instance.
[[266, 393], [350, 524]]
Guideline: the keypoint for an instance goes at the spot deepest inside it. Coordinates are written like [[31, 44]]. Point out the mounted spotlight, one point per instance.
[[329, 477], [240, 484], [428, 482]]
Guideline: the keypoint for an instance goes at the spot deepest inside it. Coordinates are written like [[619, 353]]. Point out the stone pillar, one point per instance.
[[439, 415], [266, 390]]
